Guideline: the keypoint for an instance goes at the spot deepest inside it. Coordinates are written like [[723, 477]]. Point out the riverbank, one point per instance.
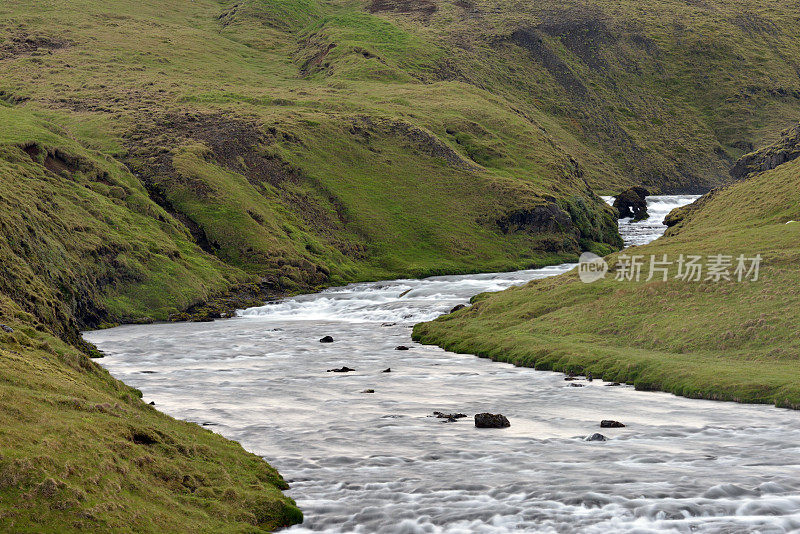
[[81, 451], [725, 340]]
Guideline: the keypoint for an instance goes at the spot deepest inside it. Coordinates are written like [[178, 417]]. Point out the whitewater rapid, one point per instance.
[[377, 462]]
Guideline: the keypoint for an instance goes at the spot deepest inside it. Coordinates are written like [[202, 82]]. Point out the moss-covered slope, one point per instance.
[[80, 451], [726, 340]]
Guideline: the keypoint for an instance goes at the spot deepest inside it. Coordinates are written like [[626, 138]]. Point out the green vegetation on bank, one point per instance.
[[725, 340], [80, 451]]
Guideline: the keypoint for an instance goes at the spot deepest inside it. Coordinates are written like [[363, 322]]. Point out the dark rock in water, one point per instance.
[[459, 307], [613, 384], [368, 391], [596, 437], [326, 339], [387, 370], [401, 347], [152, 403], [632, 203], [344, 369], [570, 378], [6, 328], [589, 377], [607, 423], [491, 420], [453, 416], [388, 324], [574, 385]]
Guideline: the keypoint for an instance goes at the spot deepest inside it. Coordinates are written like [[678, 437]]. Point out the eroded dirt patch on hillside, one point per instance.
[[21, 43]]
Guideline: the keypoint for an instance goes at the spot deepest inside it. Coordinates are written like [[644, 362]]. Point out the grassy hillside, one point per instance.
[[80, 451], [296, 143], [172, 155], [726, 340]]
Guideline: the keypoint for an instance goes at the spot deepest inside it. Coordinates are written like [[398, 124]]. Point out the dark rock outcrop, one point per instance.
[[368, 391], [769, 157], [401, 347], [387, 370], [344, 369], [596, 437], [607, 423], [632, 203], [326, 339], [545, 218], [457, 308], [491, 420]]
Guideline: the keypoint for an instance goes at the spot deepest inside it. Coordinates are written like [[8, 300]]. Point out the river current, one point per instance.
[[379, 462]]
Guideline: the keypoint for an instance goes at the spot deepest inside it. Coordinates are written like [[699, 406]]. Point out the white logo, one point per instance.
[[591, 268]]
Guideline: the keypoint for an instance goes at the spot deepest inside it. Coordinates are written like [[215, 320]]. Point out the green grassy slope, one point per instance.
[[80, 451], [724, 340]]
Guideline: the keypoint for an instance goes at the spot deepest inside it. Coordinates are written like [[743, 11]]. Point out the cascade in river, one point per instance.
[[377, 462]]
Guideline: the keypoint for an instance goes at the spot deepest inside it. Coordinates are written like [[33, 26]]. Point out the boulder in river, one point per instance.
[[401, 347], [387, 370], [607, 423], [368, 391], [343, 369], [613, 384], [596, 437], [491, 420], [326, 339], [574, 385], [632, 203]]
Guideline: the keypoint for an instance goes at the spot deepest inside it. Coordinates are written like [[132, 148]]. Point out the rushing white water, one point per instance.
[[376, 462]]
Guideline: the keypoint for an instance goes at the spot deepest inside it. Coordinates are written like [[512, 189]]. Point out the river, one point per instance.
[[378, 462]]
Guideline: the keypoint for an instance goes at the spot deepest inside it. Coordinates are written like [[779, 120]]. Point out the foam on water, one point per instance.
[[373, 463]]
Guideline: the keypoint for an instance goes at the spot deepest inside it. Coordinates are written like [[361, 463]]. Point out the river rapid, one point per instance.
[[378, 462]]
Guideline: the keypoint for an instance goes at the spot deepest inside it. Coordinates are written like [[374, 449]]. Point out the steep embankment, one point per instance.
[[727, 340]]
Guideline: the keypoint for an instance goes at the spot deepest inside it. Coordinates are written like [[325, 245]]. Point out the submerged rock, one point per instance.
[[401, 347], [491, 420], [344, 369], [326, 339], [596, 437], [368, 391], [607, 423], [453, 416], [632, 203], [387, 370], [574, 385], [613, 384]]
